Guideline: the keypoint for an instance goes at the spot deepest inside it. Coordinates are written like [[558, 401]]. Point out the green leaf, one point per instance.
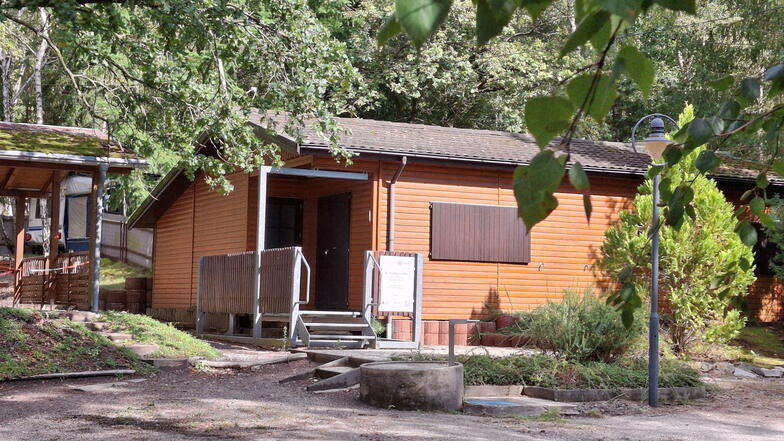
[[774, 73], [421, 18], [729, 110], [762, 180], [578, 178], [689, 6], [534, 7], [534, 185], [625, 274], [778, 167], [722, 83], [491, 17], [627, 291], [589, 26], [654, 170], [672, 154], [587, 206], [639, 68], [757, 205], [750, 89], [707, 161], [604, 94], [689, 209], [547, 116], [746, 194], [747, 233], [390, 29], [700, 131], [627, 317], [628, 9], [744, 263]]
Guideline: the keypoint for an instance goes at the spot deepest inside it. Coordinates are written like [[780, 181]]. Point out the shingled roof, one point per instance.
[[480, 146]]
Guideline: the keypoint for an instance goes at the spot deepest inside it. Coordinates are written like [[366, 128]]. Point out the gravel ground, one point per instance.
[[243, 405]]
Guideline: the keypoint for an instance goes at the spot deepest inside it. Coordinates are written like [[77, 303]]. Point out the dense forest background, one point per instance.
[[155, 77]]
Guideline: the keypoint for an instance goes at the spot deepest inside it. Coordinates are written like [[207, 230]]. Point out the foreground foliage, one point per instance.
[[172, 342], [32, 344]]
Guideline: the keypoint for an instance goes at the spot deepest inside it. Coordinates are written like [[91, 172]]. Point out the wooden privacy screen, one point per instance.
[[478, 233], [277, 272], [72, 276], [226, 283]]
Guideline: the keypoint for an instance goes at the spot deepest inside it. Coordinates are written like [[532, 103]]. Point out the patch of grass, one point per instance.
[[758, 345], [113, 273], [32, 344], [172, 342], [547, 371]]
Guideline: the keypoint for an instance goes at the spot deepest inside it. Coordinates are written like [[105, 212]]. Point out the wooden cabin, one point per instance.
[[444, 193]]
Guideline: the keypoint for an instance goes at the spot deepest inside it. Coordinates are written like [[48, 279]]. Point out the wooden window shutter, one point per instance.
[[478, 233]]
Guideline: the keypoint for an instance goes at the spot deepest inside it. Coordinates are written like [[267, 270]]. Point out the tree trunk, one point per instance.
[[40, 57], [5, 78]]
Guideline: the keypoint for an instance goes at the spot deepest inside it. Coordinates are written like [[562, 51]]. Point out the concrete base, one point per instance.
[[515, 406], [493, 391], [412, 385]]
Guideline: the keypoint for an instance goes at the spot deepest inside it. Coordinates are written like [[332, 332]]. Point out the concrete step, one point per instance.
[[336, 337], [143, 350], [337, 326], [331, 371], [81, 316], [329, 313], [116, 336], [97, 326], [168, 363]]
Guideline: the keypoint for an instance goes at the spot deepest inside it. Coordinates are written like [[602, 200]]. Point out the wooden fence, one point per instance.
[[71, 277]]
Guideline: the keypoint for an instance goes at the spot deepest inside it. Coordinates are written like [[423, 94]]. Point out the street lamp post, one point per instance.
[[654, 144]]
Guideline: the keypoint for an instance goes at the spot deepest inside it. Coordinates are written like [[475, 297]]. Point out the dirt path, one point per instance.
[[253, 406]]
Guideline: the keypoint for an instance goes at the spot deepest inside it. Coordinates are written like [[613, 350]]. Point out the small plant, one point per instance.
[[582, 328], [378, 327]]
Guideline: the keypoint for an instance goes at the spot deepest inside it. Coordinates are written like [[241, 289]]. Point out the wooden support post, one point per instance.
[[96, 216], [19, 223], [261, 228], [54, 241]]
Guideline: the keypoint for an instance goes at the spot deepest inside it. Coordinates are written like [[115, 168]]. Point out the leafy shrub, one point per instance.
[[582, 327], [705, 267], [547, 371]]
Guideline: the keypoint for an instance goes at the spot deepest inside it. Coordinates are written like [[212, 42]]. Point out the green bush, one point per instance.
[[705, 269], [547, 371], [582, 327]]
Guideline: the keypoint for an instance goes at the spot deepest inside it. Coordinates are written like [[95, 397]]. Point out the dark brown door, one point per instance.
[[332, 240]]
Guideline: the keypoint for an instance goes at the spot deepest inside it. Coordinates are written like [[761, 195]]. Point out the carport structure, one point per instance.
[[34, 160]]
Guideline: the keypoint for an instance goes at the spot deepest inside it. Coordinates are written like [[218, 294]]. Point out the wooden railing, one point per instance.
[[70, 276]]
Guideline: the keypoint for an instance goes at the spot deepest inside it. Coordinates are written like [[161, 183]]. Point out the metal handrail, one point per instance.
[[307, 287]]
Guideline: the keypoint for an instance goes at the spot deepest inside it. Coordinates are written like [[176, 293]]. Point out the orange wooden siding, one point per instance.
[[565, 243], [563, 247], [199, 223]]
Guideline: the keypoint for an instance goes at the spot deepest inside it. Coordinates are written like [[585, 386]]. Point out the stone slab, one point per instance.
[[143, 350], [342, 381], [743, 373], [332, 371], [167, 363], [117, 336], [515, 406], [117, 386], [494, 391]]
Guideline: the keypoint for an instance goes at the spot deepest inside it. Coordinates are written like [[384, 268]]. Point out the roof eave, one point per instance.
[[58, 158]]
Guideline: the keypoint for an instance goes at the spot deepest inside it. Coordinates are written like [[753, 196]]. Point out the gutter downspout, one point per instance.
[[391, 202]]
